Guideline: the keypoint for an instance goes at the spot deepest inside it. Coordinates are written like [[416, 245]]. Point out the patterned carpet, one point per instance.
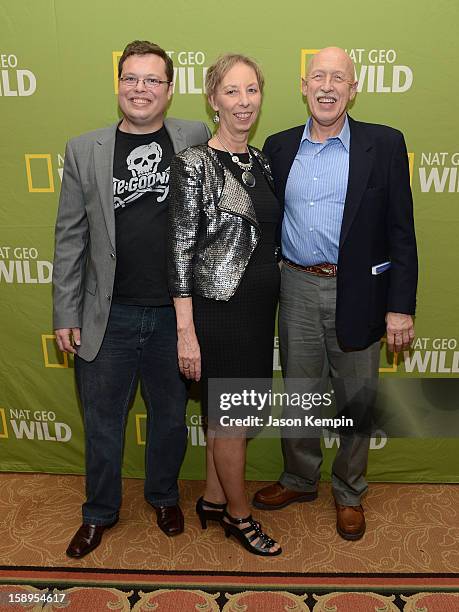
[[410, 529], [408, 560], [89, 599]]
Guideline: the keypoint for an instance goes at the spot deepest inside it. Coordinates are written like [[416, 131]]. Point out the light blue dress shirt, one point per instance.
[[314, 199]]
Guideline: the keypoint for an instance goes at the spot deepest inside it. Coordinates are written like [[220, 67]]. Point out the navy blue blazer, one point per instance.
[[377, 227]]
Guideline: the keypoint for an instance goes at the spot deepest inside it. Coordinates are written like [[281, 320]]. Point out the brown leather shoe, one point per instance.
[[170, 519], [276, 496], [350, 521], [86, 539]]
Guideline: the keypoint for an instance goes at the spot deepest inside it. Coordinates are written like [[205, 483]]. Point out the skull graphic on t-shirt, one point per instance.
[[144, 159], [143, 163]]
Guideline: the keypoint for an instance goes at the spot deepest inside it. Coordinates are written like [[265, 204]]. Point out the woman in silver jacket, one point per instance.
[[224, 278]]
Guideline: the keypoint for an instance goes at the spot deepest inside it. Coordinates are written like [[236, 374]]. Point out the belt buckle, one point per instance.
[[326, 269]]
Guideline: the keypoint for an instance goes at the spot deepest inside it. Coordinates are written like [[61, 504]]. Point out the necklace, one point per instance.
[[247, 177]]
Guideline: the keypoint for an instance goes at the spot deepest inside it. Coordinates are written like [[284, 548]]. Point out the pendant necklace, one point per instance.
[[247, 177]]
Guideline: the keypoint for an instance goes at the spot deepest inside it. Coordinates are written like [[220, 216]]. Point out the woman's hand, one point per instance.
[[189, 353]]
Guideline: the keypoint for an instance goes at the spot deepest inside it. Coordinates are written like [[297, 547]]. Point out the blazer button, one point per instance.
[[112, 255], [108, 296]]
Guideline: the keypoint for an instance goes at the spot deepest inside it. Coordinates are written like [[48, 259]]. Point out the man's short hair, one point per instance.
[[143, 47], [224, 63]]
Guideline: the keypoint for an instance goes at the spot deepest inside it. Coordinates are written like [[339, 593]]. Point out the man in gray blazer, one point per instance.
[[112, 308]]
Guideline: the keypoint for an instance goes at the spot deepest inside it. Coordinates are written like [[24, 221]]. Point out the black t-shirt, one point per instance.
[[140, 189]]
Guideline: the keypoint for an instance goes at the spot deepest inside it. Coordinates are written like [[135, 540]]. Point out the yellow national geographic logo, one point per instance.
[[52, 356], [386, 365], [3, 427], [40, 171], [39, 164], [140, 423], [305, 59], [115, 59], [411, 165]]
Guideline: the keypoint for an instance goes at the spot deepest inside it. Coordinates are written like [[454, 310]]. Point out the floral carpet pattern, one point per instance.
[[410, 528], [408, 559]]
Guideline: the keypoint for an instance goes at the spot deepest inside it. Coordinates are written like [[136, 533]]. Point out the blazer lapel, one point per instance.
[[236, 200], [232, 197], [176, 135], [104, 151], [261, 159], [360, 164], [282, 159]]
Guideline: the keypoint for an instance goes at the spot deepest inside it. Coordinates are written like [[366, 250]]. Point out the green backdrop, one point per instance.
[[57, 65]]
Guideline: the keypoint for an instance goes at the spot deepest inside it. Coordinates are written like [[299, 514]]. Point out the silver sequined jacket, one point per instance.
[[213, 229]]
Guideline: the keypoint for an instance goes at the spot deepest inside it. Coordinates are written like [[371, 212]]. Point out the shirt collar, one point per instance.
[[344, 136]]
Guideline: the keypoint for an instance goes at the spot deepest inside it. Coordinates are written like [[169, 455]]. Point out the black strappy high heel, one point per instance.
[[212, 511], [251, 537]]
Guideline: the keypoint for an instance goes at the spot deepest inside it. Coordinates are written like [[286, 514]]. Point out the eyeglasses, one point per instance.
[[149, 82]]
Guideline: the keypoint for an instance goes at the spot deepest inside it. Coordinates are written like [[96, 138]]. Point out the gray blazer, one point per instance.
[[85, 250], [213, 226]]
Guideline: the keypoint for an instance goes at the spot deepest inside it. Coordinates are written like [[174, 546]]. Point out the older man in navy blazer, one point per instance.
[[349, 272]]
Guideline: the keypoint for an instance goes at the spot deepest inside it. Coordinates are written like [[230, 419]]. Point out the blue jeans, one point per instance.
[[140, 343]]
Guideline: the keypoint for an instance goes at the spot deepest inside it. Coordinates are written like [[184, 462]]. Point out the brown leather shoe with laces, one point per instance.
[[350, 521], [276, 496]]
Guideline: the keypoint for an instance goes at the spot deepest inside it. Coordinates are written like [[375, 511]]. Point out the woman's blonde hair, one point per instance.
[[216, 72]]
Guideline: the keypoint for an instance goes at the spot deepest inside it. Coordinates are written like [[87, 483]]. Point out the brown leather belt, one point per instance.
[[322, 269]]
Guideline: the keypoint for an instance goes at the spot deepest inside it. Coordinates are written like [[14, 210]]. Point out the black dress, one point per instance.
[[236, 336]]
